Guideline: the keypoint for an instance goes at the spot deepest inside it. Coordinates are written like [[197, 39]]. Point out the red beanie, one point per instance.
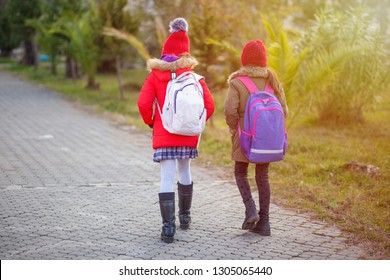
[[178, 42], [253, 53]]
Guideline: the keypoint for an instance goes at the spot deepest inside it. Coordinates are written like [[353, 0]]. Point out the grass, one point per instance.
[[311, 179]]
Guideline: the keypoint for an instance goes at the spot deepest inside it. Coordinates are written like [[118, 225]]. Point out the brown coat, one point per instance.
[[237, 96]]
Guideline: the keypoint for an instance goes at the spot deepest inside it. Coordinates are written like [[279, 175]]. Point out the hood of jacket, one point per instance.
[[162, 69], [250, 71]]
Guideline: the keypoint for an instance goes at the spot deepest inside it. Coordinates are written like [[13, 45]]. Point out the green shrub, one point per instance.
[[361, 76]]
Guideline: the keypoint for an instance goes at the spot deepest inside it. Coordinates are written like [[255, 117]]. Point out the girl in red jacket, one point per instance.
[[172, 149]]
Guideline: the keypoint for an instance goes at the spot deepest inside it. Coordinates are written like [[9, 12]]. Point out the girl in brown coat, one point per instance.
[[254, 62]]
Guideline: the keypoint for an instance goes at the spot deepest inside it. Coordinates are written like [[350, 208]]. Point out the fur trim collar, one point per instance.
[[183, 62], [250, 71]]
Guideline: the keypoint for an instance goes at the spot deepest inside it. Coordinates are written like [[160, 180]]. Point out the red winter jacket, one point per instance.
[[155, 86]]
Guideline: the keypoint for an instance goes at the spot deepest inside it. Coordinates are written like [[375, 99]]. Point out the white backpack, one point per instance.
[[183, 111]]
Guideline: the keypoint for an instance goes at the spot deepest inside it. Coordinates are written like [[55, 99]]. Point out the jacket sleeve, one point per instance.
[[208, 99], [146, 100], [231, 107]]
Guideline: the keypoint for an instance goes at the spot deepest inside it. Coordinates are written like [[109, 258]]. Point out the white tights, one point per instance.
[[168, 173]]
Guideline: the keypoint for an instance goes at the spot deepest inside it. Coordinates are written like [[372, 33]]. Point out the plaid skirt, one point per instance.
[[174, 153]]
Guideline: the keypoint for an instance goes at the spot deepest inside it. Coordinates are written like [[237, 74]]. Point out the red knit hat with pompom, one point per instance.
[[253, 53], [178, 41]]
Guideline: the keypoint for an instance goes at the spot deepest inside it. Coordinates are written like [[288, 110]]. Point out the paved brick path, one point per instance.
[[73, 186]]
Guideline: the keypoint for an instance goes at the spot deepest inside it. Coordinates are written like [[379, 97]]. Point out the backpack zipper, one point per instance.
[[265, 101]]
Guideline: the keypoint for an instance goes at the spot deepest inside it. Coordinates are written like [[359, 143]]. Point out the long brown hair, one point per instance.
[[275, 83]]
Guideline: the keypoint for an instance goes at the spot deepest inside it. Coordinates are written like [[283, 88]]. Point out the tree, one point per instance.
[[18, 12], [112, 14], [214, 36], [218, 36], [49, 42], [73, 9], [8, 40], [167, 10], [362, 75], [332, 60], [82, 31], [204, 24], [335, 67], [137, 44]]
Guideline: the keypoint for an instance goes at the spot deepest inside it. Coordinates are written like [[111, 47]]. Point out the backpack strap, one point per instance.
[[251, 86], [268, 88], [248, 83], [173, 77], [155, 105], [196, 76]]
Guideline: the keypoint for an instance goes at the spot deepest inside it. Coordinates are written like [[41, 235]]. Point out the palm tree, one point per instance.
[[81, 33], [304, 75], [352, 36], [47, 41], [129, 38]]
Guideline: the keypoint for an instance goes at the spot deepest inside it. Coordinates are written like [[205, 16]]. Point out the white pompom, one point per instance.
[[178, 24]]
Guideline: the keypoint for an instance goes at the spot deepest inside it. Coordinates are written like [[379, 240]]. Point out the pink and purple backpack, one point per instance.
[[264, 136]]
